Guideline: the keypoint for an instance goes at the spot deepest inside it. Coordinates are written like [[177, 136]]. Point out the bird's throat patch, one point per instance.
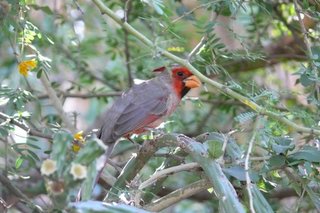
[[184, 91]]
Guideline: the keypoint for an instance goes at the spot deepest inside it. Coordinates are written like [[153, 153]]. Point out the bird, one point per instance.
[[145, 106]]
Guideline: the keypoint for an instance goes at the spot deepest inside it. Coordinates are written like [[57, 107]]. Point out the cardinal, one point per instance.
[[145, 106]]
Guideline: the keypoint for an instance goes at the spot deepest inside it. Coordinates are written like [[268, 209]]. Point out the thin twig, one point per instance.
[[127, 8], [127, 58], [189, 12], [126, 43], [262, 158], [203, 40], [247, 166], [197, 47], [237, 10], [56, 103], [308, 44], [167, 172], [83, 96], [78, 7], [224, 145], [24, 127]]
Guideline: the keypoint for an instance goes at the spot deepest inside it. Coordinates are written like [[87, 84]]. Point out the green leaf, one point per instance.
[[214, 148], [265, 185], [306, 80], [33, 155], [239, 173], [19, 162], [276, 161], [3, 132], [61, 141], [93, 149], [90, 181], [39, 73], [314, 197], [260, 203], [281, 145], [33, 146], [308, 153], [244, 117], [236, 171]]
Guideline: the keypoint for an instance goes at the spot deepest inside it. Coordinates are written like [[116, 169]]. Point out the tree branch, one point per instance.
[[24, 127], [56, 103], [247, 167], [166, 172], [127, 10], [178, 195], [83, 96], [174, 158], [261, 110], [134, 165]]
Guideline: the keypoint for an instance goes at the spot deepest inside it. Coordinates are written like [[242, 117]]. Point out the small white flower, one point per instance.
[[48, 167], [78, 171]]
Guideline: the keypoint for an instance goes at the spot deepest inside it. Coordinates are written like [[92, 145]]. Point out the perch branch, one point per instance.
[[178, 195], [174, 158], [134, 165], [166, 172]]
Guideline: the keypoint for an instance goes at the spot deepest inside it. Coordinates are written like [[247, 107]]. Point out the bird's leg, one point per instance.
[[106, 160], [132, 141]]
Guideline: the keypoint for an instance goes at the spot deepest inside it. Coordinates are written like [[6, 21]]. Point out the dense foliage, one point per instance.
[[247, 141]]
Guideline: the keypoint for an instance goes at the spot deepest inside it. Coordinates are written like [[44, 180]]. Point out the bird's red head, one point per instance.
[[183, 80]]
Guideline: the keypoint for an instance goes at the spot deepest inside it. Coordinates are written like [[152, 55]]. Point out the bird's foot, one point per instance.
[[155, 131], [134, 143]]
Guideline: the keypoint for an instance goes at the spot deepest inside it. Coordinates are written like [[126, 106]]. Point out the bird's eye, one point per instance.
[[180, 73]]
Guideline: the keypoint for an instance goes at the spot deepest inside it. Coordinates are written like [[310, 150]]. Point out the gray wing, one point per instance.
[[138, 107]]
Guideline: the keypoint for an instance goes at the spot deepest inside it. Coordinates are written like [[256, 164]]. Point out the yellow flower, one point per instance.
[[26, 66], [78, 136], [78, 141], [78, 171], [76, 147], [48, 167]]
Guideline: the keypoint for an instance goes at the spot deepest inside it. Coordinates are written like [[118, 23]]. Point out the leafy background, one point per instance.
[[267, 51]]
